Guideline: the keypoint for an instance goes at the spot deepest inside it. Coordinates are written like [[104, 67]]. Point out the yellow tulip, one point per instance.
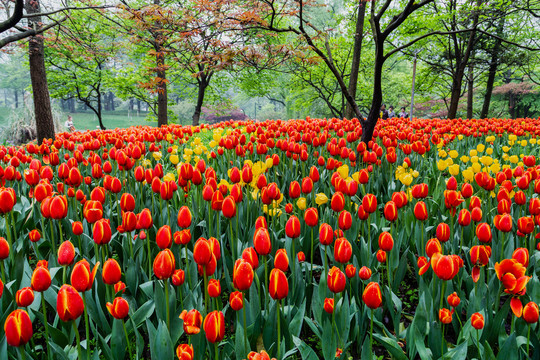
[[506, 148], [213, 143], [442, 154], [476, 167], [174, 159], [269, 163], [532, 141], [169, 177], [464, 159], [415, 174], [486, 160], [489, 151], [321, 199], [468, 174], [453, 154], [454, 169], [480, 147], [473, 152], [513, 159], [406, 179], [343, 171], [157, 155], [441, 165], [301, 203]]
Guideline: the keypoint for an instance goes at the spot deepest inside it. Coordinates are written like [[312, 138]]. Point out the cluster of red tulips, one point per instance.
[[282, 239]]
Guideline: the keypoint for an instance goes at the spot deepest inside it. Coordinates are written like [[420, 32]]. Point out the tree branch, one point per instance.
[[15, 17]]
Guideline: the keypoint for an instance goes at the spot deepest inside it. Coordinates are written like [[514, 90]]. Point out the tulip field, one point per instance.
[[277, 239]]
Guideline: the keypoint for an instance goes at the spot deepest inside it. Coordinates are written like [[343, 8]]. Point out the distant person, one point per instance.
[[403, 113], [384, 112], [69, 124], [391, 113]]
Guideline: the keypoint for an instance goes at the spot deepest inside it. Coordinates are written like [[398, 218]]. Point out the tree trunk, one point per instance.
[[368, 126], [462, 62], [470, 92], [357, 52], [493, 65], [99, 113], [203, 83], [72, 105], [38, 77], [138, 107], [111, 99], [16, 92], [161, 90]]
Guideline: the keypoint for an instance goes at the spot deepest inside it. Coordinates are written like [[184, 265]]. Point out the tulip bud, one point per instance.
[[279, 285], [420, 211], [202, 252], [336, 280], [164, 237], [292, 227], [69, 304], [66, 253], [381, 256], [112, 272], [390, 211], [453, 300], [445, 316], [18, 328], [242, 275], [119, 287], [82, 278], [214, 326], [77, 228], [369, 203], [326, 235], [192, 321], [329, 305], [342, 250], [477, 321], [4, 248], [350, 271], [250, 255], [214, 288], [24, 297], [301, 256], [345, 220], [236, 300], [281, 260], [364, 273], [311, 217], [261, 241], [164, 264], [443, 232], [386, 242], [102, 232], [530, 313], [178, 277], [119, 308], [483, 232], [372, 295]]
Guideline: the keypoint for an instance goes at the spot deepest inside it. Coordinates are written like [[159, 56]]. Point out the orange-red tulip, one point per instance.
[[214, 326], [192, 321], [164, 237], [242, 275], [69, 304], [386, 242], [24, 297], [329, 305], [281, 260], [164, 264], [184, 352], [278, 286], [112, 272], [119, 308], [236, 300], [445, 316], [102, 232], [530, 313], [372, 295], [214, 288], [446, 266], [336, 280], [342, 250], [82, 278], [477, 321], [18, 328], [261, 241]]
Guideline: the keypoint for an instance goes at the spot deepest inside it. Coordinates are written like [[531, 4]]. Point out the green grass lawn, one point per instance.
[[88, 121]]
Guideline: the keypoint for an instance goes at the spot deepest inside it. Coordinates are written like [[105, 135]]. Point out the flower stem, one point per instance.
[[166, 282], [371, 336], [78, 339], [528, 339], [246, 344], [8, 232], [187, 267], [22, 352], [311, 260], [278, 327], [45, 323], [127, 339], [86, 326]]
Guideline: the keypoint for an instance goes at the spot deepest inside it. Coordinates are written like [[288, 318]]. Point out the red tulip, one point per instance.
[[453, 300], [372, 295], [329, 305], [278, 286], [443, 232], [336, 280], [386, 242], [202, 252], [112, 272], [477, 321], [18, 328], [214, 326], [164, 237], [24, 297], [530, 313], [446, 266], [4, 248], [184, 217], [41, 278], [178, 277], [184, 352], [82, 278], [483, 232], [261, 241], [390, 211], [342, 250], [311, 217], [192, 321], [250, 255], [164, 264], [102, 232], [236, 300], [292, 227], [66, 253], [420, 211], [119, 308], [369, 203], [445, 316], [214, 288], [69, 304], [326, 234], [242, 275]]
